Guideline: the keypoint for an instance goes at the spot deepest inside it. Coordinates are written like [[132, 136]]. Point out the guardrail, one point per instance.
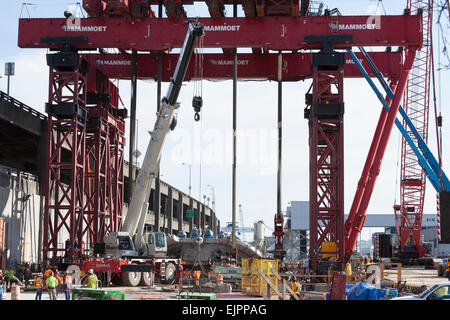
[[8, 99]]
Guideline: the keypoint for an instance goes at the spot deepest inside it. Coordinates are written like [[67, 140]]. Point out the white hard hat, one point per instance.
[[90, 271]]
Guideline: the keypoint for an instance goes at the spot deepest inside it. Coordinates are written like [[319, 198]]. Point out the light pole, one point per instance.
[[213, 198], [190, 166], [9, 71]]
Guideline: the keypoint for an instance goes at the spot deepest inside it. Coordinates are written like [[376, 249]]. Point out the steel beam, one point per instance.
[[295, 66], [273, 33]]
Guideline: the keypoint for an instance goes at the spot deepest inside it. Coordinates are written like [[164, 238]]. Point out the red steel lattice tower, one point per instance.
[[326, 145], [104, 159], [64, 188], [416, 105]]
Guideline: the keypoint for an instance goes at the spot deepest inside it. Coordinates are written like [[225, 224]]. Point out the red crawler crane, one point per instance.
[[416, 105]]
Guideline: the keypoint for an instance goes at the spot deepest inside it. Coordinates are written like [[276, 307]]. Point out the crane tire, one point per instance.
[[145, 279], [131, 279], [171, 273]]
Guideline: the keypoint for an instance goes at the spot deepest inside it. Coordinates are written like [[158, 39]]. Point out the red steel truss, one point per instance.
[[64, 188], [326, 145], [84, 192], [416, 105], [104, 162]]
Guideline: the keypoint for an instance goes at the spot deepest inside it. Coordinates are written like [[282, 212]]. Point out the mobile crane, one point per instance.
[[426, 159], [128, 256]]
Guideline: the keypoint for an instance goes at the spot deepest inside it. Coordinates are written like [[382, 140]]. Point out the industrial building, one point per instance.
[[297, 229]]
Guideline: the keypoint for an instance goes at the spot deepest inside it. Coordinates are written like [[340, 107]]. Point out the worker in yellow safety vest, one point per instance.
[[91, 280], [39, 287], [51, 285]]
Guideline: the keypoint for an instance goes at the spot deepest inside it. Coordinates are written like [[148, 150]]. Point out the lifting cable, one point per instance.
[[26, 5], [438, 119], [382, 5]]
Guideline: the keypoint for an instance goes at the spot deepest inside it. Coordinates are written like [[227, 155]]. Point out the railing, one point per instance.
[[16, 173], [8, 99]]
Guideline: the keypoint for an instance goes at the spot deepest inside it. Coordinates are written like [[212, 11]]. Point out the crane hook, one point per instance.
[[197, 103]]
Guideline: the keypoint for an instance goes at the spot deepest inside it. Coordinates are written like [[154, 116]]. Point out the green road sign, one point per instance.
[[189, 213]]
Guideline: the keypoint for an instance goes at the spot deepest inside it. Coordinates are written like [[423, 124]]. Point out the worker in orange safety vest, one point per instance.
[[447, 269], [295, 286], [67, 286], [39, 287], [196, 275]]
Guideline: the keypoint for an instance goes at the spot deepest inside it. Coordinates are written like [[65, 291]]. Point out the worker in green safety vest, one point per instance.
[[91, 280], [51, 283]]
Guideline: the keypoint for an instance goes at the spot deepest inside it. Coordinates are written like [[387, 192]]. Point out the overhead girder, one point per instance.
[[174, 9], [304, 7], [118, 8], [216, 9], [249, 7], [273, 33], [296, 66], [277, 8]]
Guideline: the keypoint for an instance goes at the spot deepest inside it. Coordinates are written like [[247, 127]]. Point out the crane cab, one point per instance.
[[156, 244], [119, 244]]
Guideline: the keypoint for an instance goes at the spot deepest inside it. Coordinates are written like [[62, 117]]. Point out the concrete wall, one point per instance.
[[20, 206]]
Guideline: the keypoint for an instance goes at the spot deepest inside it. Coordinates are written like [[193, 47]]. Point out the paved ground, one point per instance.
[[139, 293], [416, 276]]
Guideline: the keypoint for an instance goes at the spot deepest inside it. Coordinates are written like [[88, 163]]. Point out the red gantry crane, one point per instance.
[[70, 208]]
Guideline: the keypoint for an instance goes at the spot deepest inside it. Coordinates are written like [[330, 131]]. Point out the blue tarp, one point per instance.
[[362, 291]]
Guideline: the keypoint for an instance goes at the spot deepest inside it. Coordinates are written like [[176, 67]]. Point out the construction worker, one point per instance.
[[67, 285], [447, 269], [196, 275], [39, 287], [295, 286], [91, 280], [51, 285], [60, 282], [47, 273], [26, 274], [1, 285]]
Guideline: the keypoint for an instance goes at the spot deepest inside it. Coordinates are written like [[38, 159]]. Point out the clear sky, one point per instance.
[[257, 117]]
